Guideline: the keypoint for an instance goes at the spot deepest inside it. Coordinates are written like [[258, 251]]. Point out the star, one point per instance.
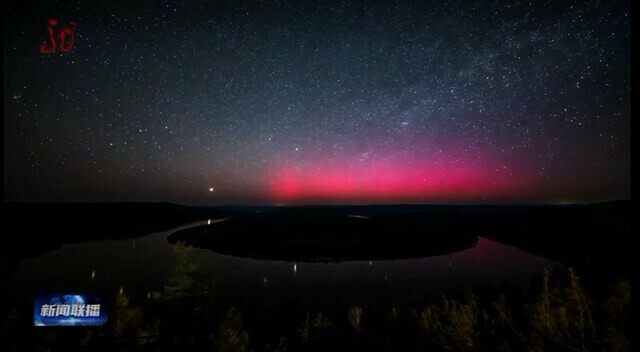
[[358, 109]]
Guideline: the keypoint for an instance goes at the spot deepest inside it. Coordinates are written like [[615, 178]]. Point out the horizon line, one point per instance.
[[284, 205]]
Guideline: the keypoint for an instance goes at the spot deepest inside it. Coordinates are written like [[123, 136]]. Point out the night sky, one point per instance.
[[277, 102]]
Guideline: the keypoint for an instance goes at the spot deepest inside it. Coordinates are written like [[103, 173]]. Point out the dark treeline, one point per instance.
[[555, 313]]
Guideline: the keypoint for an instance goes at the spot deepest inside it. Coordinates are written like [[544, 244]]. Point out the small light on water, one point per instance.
[[370, 263], [265, 280], [209, 222], [121, 290], [93, 274], [295, 268]]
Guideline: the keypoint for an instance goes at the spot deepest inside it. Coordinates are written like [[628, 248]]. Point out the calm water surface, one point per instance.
[[141, 266]]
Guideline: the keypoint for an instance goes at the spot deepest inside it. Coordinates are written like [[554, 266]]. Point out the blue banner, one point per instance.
[[69, 310]]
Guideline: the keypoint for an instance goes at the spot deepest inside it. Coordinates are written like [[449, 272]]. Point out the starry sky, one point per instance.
[[318, 102]]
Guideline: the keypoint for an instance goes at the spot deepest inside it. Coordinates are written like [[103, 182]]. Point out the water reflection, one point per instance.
[[154, 265], [186, 281], [156, 284], [169, 293]]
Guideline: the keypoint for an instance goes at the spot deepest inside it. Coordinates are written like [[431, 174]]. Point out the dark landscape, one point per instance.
[[317, 175], [568, 234], [599, 232]]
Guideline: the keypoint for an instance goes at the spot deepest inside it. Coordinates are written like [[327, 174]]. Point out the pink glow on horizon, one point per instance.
[[392, 181]]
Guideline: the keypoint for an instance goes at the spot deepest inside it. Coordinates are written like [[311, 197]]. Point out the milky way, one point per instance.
[[283, 102]]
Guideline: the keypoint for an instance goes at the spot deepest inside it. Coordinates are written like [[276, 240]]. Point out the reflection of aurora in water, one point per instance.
[[194, 318], [161, 290], [146, 264]]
